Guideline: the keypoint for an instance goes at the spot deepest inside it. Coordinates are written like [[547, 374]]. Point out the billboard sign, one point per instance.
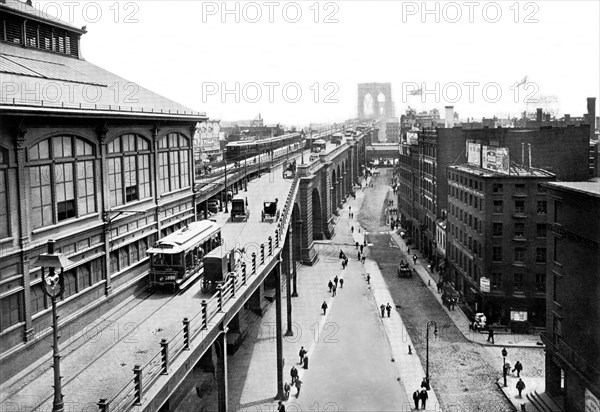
[[496, 159], [484, 285], [473, 153], [518, 315]]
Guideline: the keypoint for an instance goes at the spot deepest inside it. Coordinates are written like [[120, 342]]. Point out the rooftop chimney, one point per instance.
[[591, 108], [449, 116], [538, 115]]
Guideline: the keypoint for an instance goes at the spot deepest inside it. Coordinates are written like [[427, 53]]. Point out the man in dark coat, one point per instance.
[[330, 284], [423, 396], [324, 307], [416, 398], [294, 374], [382, 307], [301, 354], [518, 368], [388, 308], [491, 335], [520, 387]]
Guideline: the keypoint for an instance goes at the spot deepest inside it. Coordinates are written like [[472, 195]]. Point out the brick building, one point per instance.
[[572, 337], [104, 179], [497, 229]]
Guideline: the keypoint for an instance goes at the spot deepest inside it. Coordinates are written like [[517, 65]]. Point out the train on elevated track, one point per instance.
[[243, 149]]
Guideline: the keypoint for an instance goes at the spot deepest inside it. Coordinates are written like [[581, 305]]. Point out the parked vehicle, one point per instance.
[[239, 209], [213, 205], [270, 211], [219, 264], [404, 270]]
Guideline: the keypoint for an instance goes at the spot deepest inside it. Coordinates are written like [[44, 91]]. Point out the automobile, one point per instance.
[[213, 205], [404, 271]]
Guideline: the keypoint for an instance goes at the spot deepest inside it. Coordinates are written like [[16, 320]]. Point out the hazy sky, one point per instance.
[[300, 62]]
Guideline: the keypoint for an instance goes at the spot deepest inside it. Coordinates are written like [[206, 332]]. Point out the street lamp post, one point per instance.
[[226, 193], [504, 355], [54, 286], [431, 322]]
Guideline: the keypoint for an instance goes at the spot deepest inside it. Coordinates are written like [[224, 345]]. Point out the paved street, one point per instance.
[[459, 369]]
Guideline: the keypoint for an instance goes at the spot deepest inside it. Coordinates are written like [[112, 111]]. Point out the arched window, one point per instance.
[[4, 226], [61, 178], [128, 169], [173, 162]]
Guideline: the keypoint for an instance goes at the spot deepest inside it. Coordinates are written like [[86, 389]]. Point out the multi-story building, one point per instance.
[[572, 337], [392, 131], [104, 179], [497, 230]]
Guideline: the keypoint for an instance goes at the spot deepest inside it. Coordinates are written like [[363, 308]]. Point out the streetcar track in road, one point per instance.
[[101, 354]]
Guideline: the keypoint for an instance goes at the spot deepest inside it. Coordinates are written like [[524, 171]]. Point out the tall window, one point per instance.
[[497, 253], [173, 162], [496, 281], [518, 282], [497, 188], [497, 206], [10, 310], [519, 254], [519, 206], [540, 282], [128, 169], [540, 255], [4, 227], [542, 207], [519, 229], [541, 230], [496, 229], [61, 180]]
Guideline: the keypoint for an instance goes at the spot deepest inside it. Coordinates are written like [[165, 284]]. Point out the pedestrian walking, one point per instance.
[[491, 335], [286, 391], [425, 384], [352, 229], [365, 242], [298, 386], [341, 254], [281, 406], [334, 290], [520, 387], [416, 398], [294, 374], [324, 307], [388, 308], [330, 284], [423, 395], [518, 368], [359, 255], [439, 286], [415, 259], [336, 280], [341, 283], [368, 279], [301, 354], [361, 248], [363, 260], [382, 307], [357, 243], [343, 264]]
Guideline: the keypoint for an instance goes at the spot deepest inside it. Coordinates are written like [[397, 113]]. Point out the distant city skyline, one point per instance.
[[308, 70]]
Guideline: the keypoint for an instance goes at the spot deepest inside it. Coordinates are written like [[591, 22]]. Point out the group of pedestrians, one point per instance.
[[421, 395], [334, 285], [384, 308]]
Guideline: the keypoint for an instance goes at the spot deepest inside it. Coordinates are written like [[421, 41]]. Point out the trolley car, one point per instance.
[[176, 259]]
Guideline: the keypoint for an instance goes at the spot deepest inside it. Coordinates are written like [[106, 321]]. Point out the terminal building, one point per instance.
[[104, 179]]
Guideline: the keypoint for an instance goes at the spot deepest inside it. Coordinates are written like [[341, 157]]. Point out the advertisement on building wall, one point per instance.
[[473, 153], [496, 159], [592, 404], [484, 285]]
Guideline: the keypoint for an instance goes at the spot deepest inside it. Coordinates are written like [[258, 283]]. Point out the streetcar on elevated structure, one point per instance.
[[176, 259], [243, 149]]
